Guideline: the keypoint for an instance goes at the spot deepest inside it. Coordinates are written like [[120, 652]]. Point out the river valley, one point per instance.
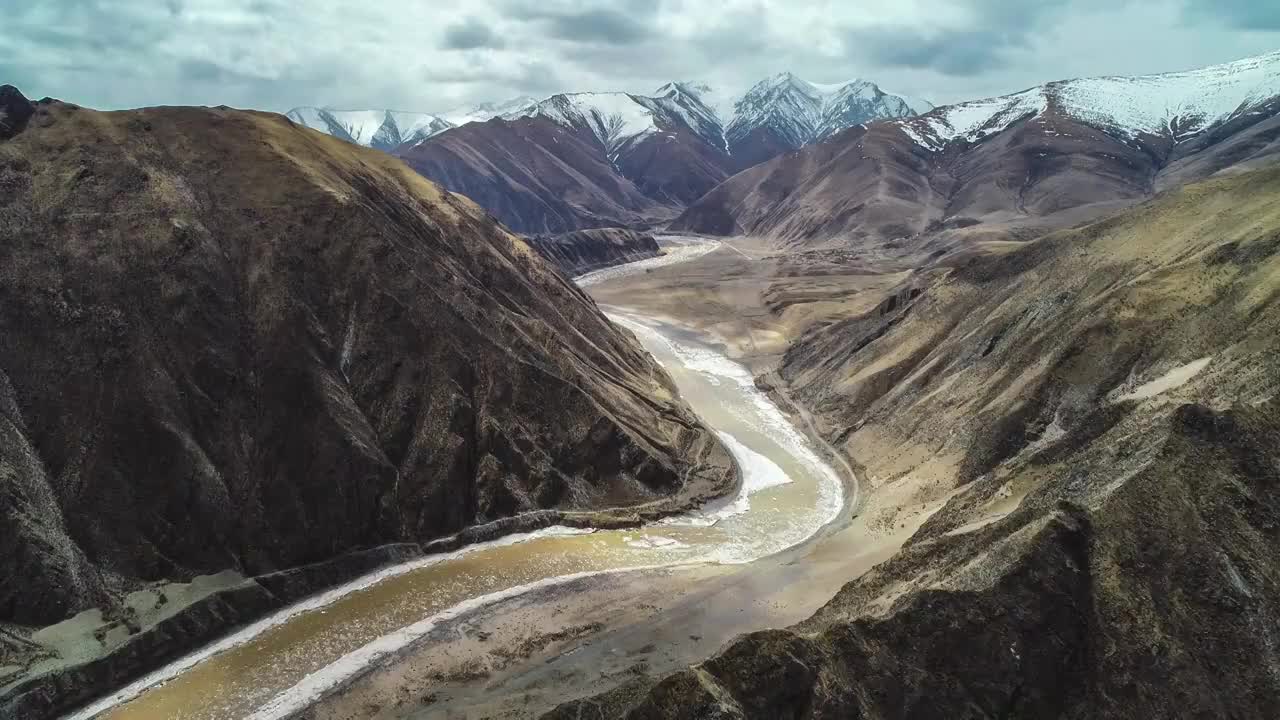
[[282, 664]]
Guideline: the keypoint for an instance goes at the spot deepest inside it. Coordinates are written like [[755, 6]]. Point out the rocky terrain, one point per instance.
[[1091, 421], [233, 344], [1006, 168], [585, 250]]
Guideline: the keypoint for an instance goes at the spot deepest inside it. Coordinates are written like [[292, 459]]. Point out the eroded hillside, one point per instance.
[[229, 342], [1092, 419]]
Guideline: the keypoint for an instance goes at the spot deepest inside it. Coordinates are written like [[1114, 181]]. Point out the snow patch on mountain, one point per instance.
[[1181, 103], [616, 119], [973, 121], [717, 100], [691, 105], [1178, 105], [489, 110], [382, 129], [798, 111], [801, 112]]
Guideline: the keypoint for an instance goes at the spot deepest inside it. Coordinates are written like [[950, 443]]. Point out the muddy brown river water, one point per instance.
[[282, 663]]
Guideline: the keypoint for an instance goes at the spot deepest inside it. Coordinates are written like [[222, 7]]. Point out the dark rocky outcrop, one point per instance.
[[15, 110], [227, 342], [586, 250]]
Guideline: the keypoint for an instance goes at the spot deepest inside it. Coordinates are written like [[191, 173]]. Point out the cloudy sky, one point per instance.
[[434, 55]]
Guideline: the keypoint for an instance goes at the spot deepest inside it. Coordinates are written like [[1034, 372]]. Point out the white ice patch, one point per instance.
[[758, 473]]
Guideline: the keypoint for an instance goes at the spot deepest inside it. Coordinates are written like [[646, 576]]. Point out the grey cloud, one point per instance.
[[581, 23], [1242, 14], [535, 78], [275, 54], [471, 34], [959, 53], [599, 25], [205, 71], [998, 27]]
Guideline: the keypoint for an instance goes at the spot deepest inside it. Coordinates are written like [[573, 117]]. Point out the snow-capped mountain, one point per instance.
[[1175, 105], [631, 157], [489, 110], [616, 119], [381, 129], [619, 120], [1012, 167], [799, 112], [699, 107], [792, 111]]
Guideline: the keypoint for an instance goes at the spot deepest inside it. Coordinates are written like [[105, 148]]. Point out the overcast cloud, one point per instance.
[[277, 54]]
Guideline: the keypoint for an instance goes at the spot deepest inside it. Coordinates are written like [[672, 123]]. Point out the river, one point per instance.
[[282, 663]]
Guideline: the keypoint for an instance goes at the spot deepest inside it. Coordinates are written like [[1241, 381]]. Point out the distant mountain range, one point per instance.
[[795, 112], [381, 129], [580, 160], [1007, 167], [708, 161]]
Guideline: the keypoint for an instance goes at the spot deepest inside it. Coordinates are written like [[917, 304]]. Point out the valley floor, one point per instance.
[[524, 656]]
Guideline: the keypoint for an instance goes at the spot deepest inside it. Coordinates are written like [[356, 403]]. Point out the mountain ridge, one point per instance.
[[713, 107], [1180, 103], [585, 160], [1008, 167]]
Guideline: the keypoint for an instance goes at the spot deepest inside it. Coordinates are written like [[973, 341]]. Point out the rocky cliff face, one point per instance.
[[230, 342], [585, 250], [1093, 418]]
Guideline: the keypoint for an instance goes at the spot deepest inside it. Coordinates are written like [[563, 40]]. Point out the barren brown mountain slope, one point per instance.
[[1096, 412], [537, 176], [231, 343]]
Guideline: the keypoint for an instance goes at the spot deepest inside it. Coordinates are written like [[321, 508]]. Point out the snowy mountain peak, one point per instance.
[[791, 109], [489, 110], [381, 129], [1176, 105], [800, 112], [616, 119], [717, 101]]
